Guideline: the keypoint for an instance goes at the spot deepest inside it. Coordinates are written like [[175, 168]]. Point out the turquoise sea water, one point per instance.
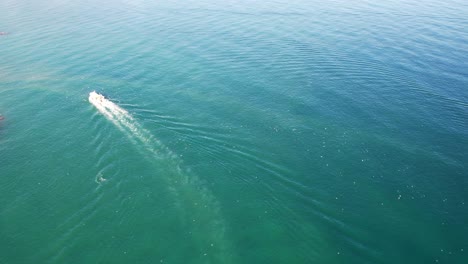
[[256, 131]]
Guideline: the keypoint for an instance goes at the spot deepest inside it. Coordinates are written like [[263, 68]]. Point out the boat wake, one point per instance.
[[127, 124], [209, 227]]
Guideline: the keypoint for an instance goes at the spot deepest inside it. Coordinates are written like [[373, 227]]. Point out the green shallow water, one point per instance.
[[257, 132]]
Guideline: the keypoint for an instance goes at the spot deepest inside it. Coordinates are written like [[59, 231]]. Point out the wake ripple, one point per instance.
[[205, 221], [127, 124]]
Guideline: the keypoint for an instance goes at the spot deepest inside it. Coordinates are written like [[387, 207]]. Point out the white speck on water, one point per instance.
[[212, 244], [399, 196]]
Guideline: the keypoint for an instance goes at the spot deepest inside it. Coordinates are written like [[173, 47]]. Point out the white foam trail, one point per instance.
[[212, 227], [127, 124]]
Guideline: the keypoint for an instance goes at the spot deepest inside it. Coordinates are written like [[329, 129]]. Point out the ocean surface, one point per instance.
[[298, 131]]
